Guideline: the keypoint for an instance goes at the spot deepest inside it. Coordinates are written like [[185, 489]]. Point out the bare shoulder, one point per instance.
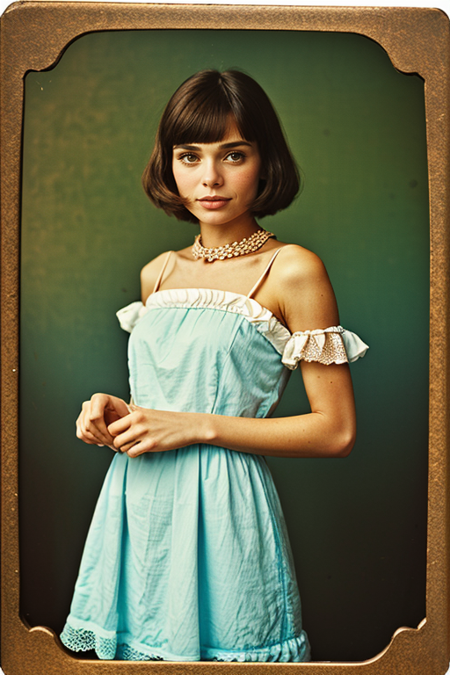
[[306, 297], [150, 273], [297, 265]]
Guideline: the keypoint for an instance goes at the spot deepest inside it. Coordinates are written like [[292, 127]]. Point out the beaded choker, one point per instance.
[[246, 245]]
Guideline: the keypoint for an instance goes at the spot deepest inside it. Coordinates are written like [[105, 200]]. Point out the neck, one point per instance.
[[216, 235]]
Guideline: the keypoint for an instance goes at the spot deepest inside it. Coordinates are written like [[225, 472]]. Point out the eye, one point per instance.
[[235, 157], [188, 158]]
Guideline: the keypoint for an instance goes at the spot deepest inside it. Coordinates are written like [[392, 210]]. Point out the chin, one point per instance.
[[216, 218]]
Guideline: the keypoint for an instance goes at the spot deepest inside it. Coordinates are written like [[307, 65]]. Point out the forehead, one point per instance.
[[231, 136]]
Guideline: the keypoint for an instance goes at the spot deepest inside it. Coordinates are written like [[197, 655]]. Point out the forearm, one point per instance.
[[310, 435], [327, 431]]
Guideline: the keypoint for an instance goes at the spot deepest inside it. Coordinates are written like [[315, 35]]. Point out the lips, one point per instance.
[[213, 202]]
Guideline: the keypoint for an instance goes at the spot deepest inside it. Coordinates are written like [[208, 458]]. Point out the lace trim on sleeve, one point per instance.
[[328, 345]]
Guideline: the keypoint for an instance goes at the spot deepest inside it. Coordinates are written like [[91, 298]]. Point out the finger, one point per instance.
[[111, 416], [115, 409], [145, 445], [118, 405], [83, 424], [82, 432], [120, 426], [90, 428], [86, 437], [94, 422], [96, 416], [135, 450], [128, 446], [128, 438]]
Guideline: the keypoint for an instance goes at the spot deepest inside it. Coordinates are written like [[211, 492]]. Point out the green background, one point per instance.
[[357, 129]]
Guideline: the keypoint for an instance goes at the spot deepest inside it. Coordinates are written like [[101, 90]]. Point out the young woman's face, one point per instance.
[[218, 180]]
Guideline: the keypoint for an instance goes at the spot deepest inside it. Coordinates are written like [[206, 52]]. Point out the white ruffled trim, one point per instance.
[[294, 650], [263, 319], [129, 316], [328, 345], [204, 298]]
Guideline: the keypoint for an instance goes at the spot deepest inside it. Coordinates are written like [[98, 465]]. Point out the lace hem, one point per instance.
[[127, 653], [83, 640]]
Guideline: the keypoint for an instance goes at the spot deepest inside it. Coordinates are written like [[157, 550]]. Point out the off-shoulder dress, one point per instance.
[[187, 557]]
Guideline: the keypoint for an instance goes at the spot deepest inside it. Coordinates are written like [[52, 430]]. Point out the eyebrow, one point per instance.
[[225, 146]]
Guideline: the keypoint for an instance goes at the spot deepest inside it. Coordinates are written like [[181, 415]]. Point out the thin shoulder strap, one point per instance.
[[161, 274], [264, 274]]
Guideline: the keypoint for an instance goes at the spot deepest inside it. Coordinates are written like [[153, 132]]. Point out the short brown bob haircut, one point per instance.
[[198, 112]]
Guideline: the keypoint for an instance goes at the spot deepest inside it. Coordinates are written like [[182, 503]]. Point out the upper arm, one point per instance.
[[308, 302], [330, 393], [149, 275], [307, 299]]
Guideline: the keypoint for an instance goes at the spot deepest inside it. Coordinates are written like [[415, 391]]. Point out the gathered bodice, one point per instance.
[[204, 350]]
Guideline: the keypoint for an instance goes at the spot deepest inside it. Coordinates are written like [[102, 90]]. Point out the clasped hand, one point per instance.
[[108, 420]]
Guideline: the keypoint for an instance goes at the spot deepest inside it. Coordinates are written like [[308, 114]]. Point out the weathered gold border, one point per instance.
[[33, 37]]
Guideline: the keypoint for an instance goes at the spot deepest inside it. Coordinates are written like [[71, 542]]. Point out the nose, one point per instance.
[[212, 176]]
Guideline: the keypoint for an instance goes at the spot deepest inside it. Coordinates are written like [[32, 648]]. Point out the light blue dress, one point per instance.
[[188, 557]]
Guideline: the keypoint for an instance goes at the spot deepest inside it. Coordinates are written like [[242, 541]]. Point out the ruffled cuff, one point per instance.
[[129, 316], [328, 345], [295, 649]]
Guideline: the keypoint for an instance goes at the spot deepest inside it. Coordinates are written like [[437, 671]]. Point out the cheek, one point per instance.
[[250, 182], [175, 174], [181, 180]]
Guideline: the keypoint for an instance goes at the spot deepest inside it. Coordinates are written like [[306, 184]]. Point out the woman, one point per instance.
[[188, 557]]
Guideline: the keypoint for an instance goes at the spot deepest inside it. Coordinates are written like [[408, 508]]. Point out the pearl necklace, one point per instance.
[[253, 243]]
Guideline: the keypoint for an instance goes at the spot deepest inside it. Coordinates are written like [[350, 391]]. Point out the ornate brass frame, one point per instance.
[[33, 36]]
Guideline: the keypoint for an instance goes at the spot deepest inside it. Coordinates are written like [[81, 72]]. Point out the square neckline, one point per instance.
[[218, 290], [255, 287]]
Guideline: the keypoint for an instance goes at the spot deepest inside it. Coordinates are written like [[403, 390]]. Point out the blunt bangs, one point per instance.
[[198, 127], [199, 112]]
